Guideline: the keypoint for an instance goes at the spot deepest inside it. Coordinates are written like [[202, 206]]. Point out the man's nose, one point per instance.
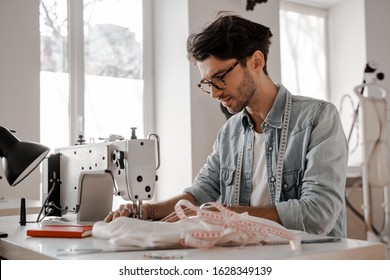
[[215, 93]]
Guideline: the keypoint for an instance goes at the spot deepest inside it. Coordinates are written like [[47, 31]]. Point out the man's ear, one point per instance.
[[257, 60]]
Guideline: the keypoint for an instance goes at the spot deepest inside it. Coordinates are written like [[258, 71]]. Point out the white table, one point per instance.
[[18, 246]]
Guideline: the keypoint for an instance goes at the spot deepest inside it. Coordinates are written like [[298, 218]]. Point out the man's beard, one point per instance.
[[245, 91]]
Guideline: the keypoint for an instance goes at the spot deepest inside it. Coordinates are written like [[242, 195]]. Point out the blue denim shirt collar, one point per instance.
[[275, 115]]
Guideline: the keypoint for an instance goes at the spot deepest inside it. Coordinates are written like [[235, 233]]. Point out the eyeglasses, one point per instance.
[[217, 81]]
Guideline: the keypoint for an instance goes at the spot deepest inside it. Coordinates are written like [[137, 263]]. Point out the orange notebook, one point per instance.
[[68, 231]]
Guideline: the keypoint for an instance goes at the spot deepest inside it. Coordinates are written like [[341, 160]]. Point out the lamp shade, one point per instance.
[[19, 158]]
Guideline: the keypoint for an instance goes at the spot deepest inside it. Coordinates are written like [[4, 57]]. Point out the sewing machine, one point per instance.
[[78, 182]]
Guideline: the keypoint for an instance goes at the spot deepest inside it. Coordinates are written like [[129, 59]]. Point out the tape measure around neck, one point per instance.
[[280, 160], [237, 182], [282, 147]]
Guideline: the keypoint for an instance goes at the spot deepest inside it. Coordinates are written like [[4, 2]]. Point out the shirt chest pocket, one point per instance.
[[227, 185], [291, 185]]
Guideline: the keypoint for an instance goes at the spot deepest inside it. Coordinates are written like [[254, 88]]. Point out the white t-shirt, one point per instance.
[[260, 193]]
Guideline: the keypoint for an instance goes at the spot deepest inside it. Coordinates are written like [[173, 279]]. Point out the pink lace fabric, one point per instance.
[[228, 228]]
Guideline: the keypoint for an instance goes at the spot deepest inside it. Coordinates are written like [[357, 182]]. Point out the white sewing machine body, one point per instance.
[[79, 181]]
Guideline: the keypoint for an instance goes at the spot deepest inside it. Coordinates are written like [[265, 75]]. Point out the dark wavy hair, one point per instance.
[[229, 36]]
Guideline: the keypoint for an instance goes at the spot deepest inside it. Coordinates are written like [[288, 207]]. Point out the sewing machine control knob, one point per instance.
[[133, 135], [117, 158], [81, 140]]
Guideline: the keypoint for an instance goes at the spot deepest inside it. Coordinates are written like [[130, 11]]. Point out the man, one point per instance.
[[280, 157]]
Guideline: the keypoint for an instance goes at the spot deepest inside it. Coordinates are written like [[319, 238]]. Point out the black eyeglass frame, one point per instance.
[[221, 78]]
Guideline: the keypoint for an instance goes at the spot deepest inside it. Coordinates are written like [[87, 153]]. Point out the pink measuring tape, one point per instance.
[[226, 227]]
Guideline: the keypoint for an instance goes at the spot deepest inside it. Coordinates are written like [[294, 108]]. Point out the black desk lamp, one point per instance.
[[19, 158]]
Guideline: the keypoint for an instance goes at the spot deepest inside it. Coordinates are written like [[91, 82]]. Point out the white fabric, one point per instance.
[[236, 229], [260, 193]]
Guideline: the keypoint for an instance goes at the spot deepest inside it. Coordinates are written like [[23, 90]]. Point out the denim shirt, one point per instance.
[[314, 173]]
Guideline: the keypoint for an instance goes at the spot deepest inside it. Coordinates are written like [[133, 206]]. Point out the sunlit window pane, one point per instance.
[[113, 67], [303, 53], [54, 80]]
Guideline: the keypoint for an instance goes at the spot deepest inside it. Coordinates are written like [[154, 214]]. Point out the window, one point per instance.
[[54, 74], [303, 49], [92, 80]]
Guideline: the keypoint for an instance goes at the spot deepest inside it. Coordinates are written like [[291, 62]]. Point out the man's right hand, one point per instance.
[[126, 210]]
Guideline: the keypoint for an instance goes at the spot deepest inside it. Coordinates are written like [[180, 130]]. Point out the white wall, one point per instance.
[[347, 53], [171, 87], [377, 35], [19, 82], [186, 120], [378, 40]]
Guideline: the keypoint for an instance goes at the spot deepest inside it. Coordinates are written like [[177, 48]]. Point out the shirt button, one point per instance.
[[247, 177], [272, 179], [270, 148], [249, 146], [285, 186]]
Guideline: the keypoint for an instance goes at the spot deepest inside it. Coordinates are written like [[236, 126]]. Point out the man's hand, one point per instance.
[[171, 218], [157, 211], [126, 210]]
